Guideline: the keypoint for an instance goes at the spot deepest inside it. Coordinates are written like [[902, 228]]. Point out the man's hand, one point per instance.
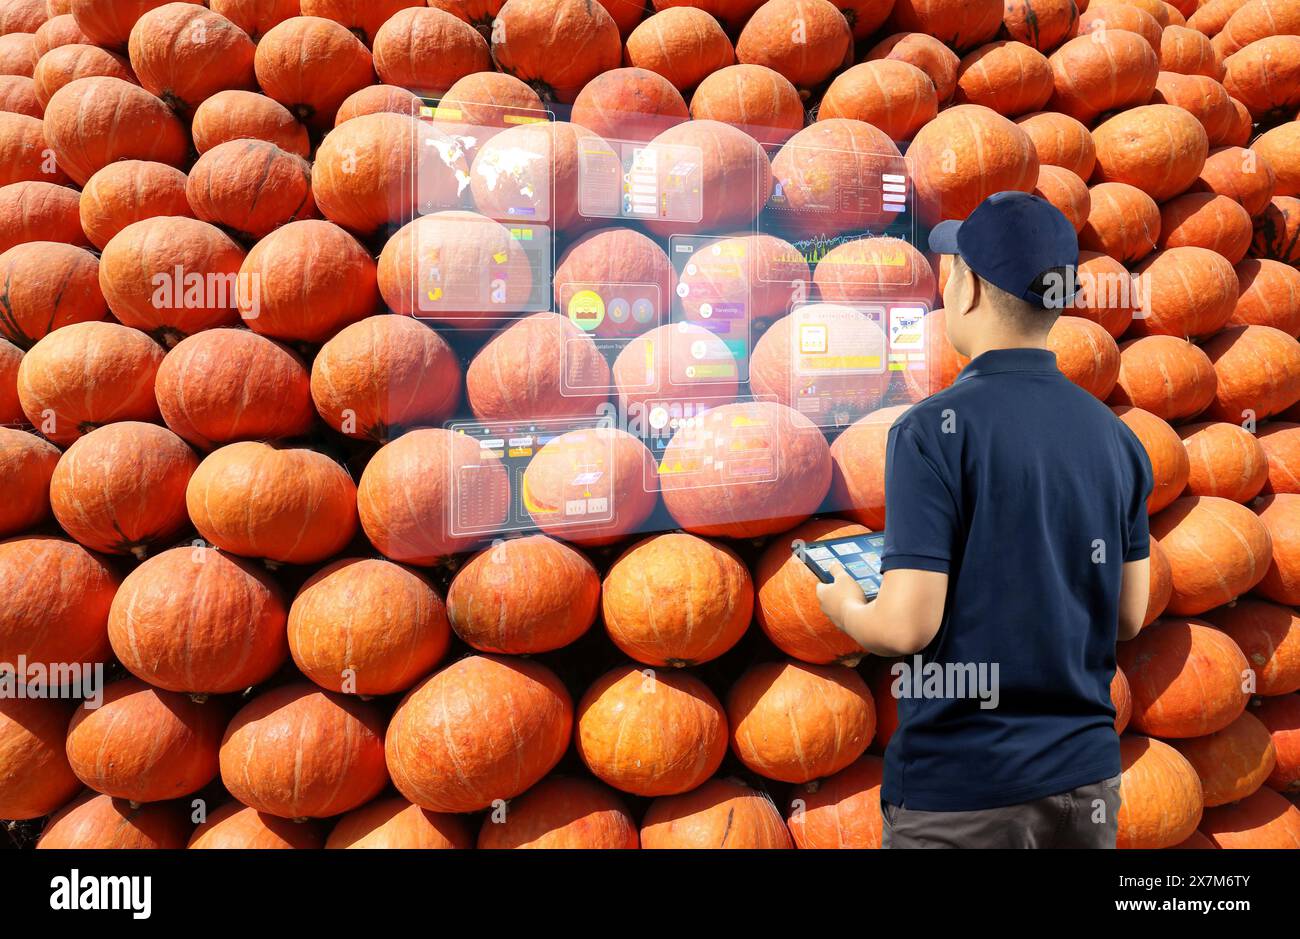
[[837, 598]]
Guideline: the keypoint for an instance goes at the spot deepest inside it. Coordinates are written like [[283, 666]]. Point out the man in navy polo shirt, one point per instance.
[[1016, 553]]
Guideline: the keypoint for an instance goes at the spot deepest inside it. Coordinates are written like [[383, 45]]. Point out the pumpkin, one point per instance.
[[1262, 820], [868, 270], [11, 409], [273, 501], [1206, 220], [925, 52], [628, 488], [92, 122], [735, 175], [367, 627], [893, 96], [1224, 460], [1233, 762], [255, 17], [821, 160], [708, 600], [1277, 230], [1161, 801], [406, 496], [99, 822], [627, 104], [1161, 588], [807, 55], [1067, 192], [383, 375], [250, 187], [1240, 175], [1100, 17], [1205, 99], [108, 22], [1281, 715], [1281, 446], [763, 272], [683, 44], [1258, 371], [60, 30], [396, 823], [789, 479], [829, 728], [1121, 698], [35, 778], [197, 620], [1042, 24], [145, 745], [858, 464], [1212, 15], [428, 50], [1243, 128], [1257, 20], [523, 596], [754, 98], [1168, 457], [1188, 52], [235, 826], [1158, 148], [621, 260], [185, 56], [1269, 637], [1217, 550], [47, 285], [311, 65], [1170, 377], [1123, 222], [1105, 293], [23, 16], [65, 64], [378, 99], [1008, 77], [1185, 292], [365, 175], [731, 13], [1278, 512], [299, 752], [364, 18], [651, 733], [88, 374], [550, 348], [1110, 70], [522, 45], [121, 487], [24, 155], [775, 366], [484, 99], [1279, 148], [722, 813], [26, 464], [965, 155], [482, 729], [959, 23], [312, 279], [18, 54], [173, 276], [548, 184], [223, 385], [942, 364], [1265, 75], [57, 598], [652, 368], [238, 115], [130, 191], [37, 211], [842, 811], [562, 813], [1086, 354]]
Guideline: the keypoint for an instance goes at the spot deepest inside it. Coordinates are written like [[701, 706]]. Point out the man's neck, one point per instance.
[[1007, 341]]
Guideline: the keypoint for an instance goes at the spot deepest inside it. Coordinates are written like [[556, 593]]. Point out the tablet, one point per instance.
[[860, 555]]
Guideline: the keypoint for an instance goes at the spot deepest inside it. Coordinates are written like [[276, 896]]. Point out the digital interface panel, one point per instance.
[[697, 455], [632, 180], [502, 273], [713, 293]]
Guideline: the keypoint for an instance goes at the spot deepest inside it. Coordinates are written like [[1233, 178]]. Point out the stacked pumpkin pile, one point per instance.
[[238, 500]]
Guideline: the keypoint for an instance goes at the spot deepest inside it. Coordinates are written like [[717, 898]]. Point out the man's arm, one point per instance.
[[1134, 595], [901, 620]]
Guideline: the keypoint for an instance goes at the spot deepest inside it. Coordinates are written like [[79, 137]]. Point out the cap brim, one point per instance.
[[943, 237]]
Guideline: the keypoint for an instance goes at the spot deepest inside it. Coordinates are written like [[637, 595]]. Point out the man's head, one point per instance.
[[1012, 272]]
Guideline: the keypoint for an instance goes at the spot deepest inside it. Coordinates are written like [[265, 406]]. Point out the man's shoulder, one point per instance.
[[928, 416]]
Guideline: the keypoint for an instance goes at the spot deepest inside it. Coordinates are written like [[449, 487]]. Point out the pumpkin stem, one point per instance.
[[134, 805], [852, 659], [678, 663], [199, 698], [271, 565], [140, 552]]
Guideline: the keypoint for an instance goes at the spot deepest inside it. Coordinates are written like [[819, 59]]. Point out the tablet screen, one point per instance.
[[860, 555]]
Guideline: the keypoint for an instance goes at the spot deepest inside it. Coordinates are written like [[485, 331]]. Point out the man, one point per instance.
[[1016, 547]]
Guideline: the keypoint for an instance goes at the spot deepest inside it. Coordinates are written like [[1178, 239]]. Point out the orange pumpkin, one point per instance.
[[65, 64], [652, 369], [522, 44], [868, 270], [1233, 762], [894, 96], [1206, 220], [299, 752], [731, 13], [1184, 292], [1263, 820], [47, 285], [1086, 354], [483, 99], [18, 54], [11, 409], [774, 364], [1258, 371], [1205, 99], [26, 464], [1169, 462], [735, 175], [1106, 71], [1121, 698], [37, 211], [942, 364], [1239, 174], [1158, 148], [108, 22], [23, 16], [1067, 192], [1170, 377], [58, 30], [1217, 550], [1269, 637], [396, 823], [1281, 444], [482, 729], [362, 17], [1042, 24], [1123, 222], [378, 99], [310, 65], [627, 104], [98, 822], [239, 115], [765, 273], [550, 347], [24, 155], [858, 462], [1009, 77], [197, 620], [1161, 800], [547, 183], [1224, 460], [35, 778], [1161, 586], [1277, 230], [1257, 20], [255, 17], [428, 50], [722, 813], [842, 811], [683, 44], [1281, 715], [523, 596], [959, 23], [273, 501], [1265, 75], [364, 175], [1099, 17], [250, 187], [805, 56], [1279, 512], [185, 56], [651, 733], [561, 813], [618, 259], [1105, 293], [925, 52], [1279, 148], [145, 745], [1212, 15], [758, 100], [1188, 52], [130, 191], [235, 826]]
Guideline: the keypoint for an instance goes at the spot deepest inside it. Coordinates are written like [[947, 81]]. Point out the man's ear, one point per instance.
[[960, 288]]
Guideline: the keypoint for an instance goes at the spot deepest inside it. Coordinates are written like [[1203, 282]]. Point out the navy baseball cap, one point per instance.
[[1011, 240]]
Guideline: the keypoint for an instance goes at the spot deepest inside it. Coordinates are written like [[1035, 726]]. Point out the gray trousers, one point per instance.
[[1085, 817]]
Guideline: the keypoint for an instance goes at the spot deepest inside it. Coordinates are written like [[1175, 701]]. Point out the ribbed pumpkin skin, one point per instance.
[[57, 596], [796, 722], [250, 187], [1264, 820], [385, 374], [1277, 230], [858, 463], [130, 191], [185, 56], [38, 211], [623, 103], [651, 734], [1279, 148], [517, 374], [97, 822], [1205, 99], [1168, 376], [1106, 72], [736, 176], [1265, 75], [378, 99], [634, 263], [1086, 354], [18, 96], [237, 827], [59, 30], [683, 44], [272, 501], [1060, 140], [1011, 78], [675, 599], [1162, 584], [1224, 460], [1188, 52], [1169, 464], [47, 285], [364, 176], [1233, 762], [1280, 514], [1281, 715], [66, 64], [396, 823], [842, 811], [807, 56], [109, 22], [1206, 220], [1269, 295], [523, 596], [926, 53], [1121, 696], [428, 49], [1269, 637], [1258, 370], [959, 23], [144, 744], [1240, 175], [758, 100], [23, 151], [367, 627], [297, 751], [310, 65], [1217, 551], [35, 778], [1067, 192], [236, 115], [362, 17], [1281, 443], [562, 813], [199, 621], [787, 598], [719, 814], [1186, 292], [483, 728], [26, 464], [1042, 24], [1123, 222], [1186, 678], [896, 97], [521, 44], [1160, 794]]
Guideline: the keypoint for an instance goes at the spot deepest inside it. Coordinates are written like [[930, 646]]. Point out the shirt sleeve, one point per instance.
[[921, 522], [1139, 533]]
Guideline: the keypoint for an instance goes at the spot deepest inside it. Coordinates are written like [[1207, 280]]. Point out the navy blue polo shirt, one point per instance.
[[1030, 494]]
